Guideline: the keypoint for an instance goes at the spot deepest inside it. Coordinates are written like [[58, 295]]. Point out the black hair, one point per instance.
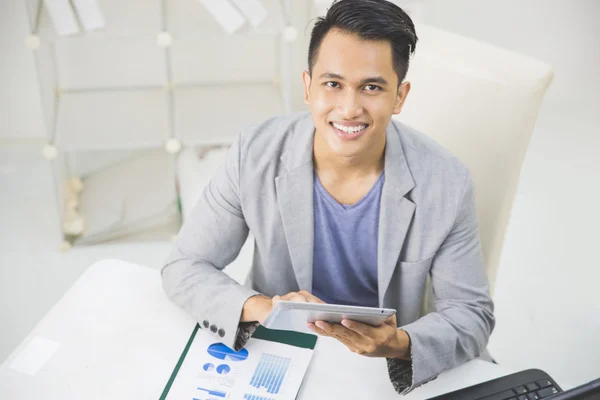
[[370, 20]]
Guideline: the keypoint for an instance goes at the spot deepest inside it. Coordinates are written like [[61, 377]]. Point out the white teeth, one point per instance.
[[349, 129]]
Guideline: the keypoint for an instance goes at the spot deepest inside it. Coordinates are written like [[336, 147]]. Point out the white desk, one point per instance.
[[119, 337]]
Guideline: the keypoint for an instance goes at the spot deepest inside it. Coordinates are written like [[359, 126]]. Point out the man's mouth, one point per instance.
[[349, 131]]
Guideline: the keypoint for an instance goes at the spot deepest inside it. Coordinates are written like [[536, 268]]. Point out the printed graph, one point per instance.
[[222, 352], [249, 396], [270, 372], [223, 369], [208, 367], [212, 393]]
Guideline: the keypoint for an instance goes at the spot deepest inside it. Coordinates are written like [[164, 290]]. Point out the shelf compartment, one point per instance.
[[214, 115], [105, 120]]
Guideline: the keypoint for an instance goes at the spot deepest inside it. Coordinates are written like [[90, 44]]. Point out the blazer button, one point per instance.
[[205, 323], [221, 332], [213, 329]]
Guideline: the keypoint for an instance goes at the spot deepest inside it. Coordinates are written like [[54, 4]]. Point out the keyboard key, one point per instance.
[[549, 391], [533, 396], [507, 394], [520, 390], [522, 397], [544, 383], [531, 387]]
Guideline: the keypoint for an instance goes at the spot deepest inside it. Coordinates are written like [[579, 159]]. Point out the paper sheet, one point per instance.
[[253, 10], [90, 14], [263, 370], [62, 16], [34, 356]]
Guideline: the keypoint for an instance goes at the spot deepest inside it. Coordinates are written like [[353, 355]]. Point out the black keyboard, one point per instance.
[[531, 384]]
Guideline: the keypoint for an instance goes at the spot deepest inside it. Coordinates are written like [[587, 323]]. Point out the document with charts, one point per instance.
[[270, 367]]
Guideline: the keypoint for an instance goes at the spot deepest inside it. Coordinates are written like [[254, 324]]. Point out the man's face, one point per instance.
[[353, 92]]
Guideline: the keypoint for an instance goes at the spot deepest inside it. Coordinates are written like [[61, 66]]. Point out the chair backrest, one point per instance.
[[481, 103]]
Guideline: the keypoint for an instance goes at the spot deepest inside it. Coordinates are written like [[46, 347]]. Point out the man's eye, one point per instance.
[[372, 88], [332, 84]]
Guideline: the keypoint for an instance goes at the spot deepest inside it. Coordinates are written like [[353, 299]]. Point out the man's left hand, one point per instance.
[[385, 340]]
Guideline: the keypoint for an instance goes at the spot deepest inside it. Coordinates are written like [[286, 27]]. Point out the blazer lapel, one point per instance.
[[396, 211], [295, 197]]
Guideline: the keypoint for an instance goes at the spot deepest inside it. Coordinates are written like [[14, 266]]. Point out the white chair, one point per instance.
[[481, 103]]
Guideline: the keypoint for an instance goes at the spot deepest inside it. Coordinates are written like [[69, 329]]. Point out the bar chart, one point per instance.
[[249, 396], [270, 372]]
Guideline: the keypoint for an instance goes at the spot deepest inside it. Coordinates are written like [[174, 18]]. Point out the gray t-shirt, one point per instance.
[[345, 247]]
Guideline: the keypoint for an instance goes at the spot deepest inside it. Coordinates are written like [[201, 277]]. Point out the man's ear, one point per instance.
[[403, 90], [306, 80]]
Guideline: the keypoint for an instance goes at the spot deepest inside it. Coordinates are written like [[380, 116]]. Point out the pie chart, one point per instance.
[[223, 369], [222, 352], [208, 367]]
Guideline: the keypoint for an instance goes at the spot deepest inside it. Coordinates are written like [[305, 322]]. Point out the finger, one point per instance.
[[339, 330], [360, 328], [288, 295], [311, 297], [293, 296], [318, 330]]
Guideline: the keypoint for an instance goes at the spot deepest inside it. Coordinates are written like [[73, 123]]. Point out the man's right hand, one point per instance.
[[258, 307]]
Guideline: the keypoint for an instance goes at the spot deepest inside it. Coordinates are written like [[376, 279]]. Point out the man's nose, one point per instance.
[[349, 106]]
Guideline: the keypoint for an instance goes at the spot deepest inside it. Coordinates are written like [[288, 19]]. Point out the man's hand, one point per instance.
[[385, 340], [258, 307], [302, 296]]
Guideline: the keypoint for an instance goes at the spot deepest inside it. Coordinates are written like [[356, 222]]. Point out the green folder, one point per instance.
[[297, 339]]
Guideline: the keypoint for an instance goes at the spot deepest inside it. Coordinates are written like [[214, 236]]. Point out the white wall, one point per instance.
[[547, 301]]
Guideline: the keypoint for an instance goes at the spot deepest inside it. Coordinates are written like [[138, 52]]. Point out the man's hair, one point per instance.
[[370, 20]]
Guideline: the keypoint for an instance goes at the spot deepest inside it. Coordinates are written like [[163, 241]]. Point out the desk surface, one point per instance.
[[119, 337]]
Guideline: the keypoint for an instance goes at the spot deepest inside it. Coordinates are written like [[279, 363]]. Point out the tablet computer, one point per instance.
[[293, 316]]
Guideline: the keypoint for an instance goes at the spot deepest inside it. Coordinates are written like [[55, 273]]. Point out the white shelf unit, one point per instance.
[[114, 97]]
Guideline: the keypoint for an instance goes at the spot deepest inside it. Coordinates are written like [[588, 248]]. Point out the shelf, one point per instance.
[[111, 62], [130, 198], [185, 19], [241, 59], [105, 120], [189, 19], [215, 115], [124, 19]]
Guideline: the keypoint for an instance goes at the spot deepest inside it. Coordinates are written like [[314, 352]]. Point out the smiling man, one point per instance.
[[346, 206]]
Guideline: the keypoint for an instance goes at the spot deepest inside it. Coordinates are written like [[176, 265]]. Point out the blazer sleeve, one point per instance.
[[211, 238], [463, 320]]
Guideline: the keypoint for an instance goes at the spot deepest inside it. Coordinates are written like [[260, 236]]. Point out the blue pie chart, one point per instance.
[[222, 352], [208, 367], [223, 369]]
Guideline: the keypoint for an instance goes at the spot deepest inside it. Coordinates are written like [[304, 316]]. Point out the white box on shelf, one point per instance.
[[135, 194], [189, 19], [63, 17], [90, 14]]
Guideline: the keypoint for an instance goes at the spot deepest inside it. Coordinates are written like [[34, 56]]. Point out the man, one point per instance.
[[346, 206]]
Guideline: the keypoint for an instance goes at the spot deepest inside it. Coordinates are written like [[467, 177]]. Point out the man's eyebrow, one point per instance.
[[376, 79], [331, 75]]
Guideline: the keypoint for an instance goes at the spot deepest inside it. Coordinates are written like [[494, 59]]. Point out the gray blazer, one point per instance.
[[427, 227]]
